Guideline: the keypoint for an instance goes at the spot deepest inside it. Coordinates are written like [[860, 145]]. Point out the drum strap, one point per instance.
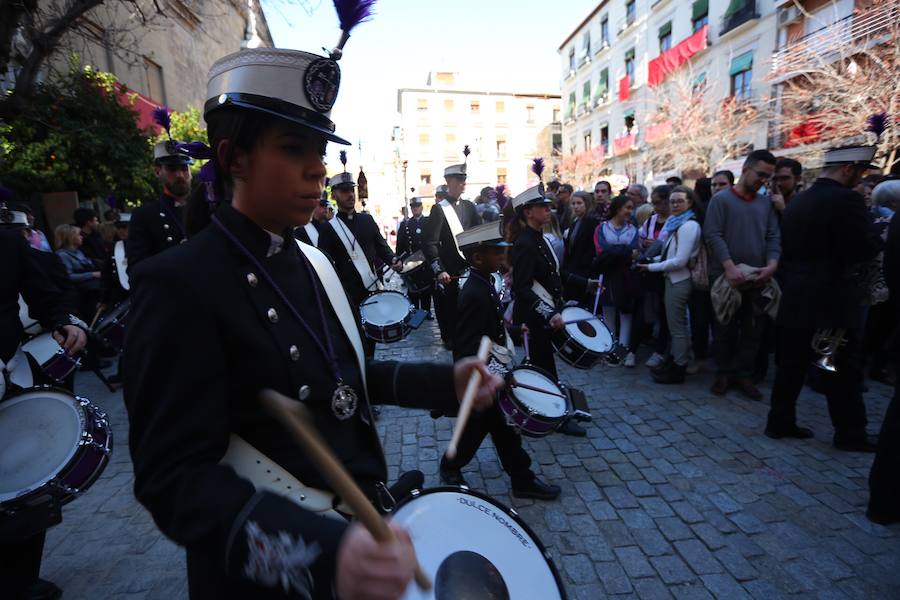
[[265, 474], [17, 369], [354, 249], [452, 219], [542, 293]]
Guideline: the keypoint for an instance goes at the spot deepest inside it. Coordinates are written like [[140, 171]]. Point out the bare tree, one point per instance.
[[830, 80]]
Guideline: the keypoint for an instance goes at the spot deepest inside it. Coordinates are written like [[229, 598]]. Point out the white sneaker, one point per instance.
[[629, 360], [655, 360]]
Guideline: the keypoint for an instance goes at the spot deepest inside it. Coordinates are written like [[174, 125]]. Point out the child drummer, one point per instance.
[[479, 314]]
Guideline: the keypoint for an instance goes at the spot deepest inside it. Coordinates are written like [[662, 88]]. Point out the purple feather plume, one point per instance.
[[208, 179], [343, 157], [878, 123], [196, 150], [500, 192], [6, 194], [353, 12], [466, 151], [162, 118], [538, 167]]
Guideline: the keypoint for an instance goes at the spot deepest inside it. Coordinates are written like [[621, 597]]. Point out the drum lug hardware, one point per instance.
[[386, 501]]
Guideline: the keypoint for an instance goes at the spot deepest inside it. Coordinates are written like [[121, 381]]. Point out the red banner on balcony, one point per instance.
[[808, 132], [657, 132], [669, 61], [624, 88], [623, 144]]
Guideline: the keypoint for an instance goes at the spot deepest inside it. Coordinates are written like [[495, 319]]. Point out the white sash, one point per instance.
[[543, 294], [313, 233], [452, 219], [356, 253], [121, 263]]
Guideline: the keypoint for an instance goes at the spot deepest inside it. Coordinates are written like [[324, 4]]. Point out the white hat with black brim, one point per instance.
[[855, 155], [485, 235], [533, 196]]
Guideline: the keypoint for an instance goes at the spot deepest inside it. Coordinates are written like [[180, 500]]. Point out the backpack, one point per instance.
[[699, 266]]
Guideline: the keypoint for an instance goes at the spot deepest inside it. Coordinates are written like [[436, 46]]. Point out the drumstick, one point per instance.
[[536, 389], [96, 316], [599, 291], [465, 407], [295, 418]]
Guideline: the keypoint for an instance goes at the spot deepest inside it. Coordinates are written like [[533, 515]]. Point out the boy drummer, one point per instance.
[[480, 314]]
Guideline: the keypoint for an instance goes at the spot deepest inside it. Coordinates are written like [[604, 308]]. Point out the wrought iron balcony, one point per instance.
[[739, 17]]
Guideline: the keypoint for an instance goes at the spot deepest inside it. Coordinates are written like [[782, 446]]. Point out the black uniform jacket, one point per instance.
[[21, 273], [825, 236], [532, 260], [478, 313], [579, 254], [154, 227], [439, 244], [411, 235], [194, 364], [368, 237]]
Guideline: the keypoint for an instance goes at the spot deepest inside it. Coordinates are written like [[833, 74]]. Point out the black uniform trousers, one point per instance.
[[445, 300], [843, 389], [422, 300], [884, 478], [540, 348]]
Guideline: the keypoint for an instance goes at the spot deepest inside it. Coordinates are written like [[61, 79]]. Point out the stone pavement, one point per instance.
[[675, 493]]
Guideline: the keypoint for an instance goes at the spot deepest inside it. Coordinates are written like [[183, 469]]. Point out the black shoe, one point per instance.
[[452, 476], [114, 379], [44, 590], [570, 427], [429, 317], [799, 433], [866, 443], [880, 518], [536, 489], [673, 374], [721, 385], [663, 366]]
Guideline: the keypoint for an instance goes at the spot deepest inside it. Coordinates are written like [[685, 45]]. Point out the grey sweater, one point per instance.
[[745, 232]]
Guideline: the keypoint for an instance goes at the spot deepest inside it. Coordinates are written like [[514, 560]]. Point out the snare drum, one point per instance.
[[471, 546], [584, 342], [52, 445], [385, 316], [416, 273], [54, 361], [111, 326], [533, 402]]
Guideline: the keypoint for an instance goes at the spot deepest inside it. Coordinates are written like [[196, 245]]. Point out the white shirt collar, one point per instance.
[[275, 244]]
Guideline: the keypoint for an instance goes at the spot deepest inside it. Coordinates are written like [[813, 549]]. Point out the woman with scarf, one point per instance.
[[682, 244]]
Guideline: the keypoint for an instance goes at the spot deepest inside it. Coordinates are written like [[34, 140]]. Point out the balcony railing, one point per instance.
[[739, 17], [844, 37]]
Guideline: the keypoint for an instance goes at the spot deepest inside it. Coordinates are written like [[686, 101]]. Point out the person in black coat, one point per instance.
[[825, 236], [449, 217], [258, 310], [409, 240], [159, 225], [537, 286], [578, 258], [21, 272], [480, 314], [884, 478]]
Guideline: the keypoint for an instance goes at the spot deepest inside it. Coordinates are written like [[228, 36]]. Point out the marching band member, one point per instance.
[[824, 235], [447, 219], [22, 534], [480, 314], [260, 310], [159, 225], [537, 286], [409, 240]]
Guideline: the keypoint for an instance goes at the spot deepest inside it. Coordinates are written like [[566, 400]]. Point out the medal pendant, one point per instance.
[[344, 402]]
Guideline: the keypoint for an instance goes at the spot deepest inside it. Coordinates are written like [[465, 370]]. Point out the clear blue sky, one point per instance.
[[509, 44]]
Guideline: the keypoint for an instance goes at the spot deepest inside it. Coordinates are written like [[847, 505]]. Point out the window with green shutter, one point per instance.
[[665, 37]]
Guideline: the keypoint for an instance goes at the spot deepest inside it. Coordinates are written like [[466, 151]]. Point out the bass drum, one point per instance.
[[471, 546]]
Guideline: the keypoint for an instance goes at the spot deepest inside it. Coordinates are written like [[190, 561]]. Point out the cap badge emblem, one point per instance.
[[321, 82]]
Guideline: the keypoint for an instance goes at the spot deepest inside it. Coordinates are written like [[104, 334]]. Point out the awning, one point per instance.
[[669, 61], [699, 9], [666, 29], [142, 105], [741, 63]]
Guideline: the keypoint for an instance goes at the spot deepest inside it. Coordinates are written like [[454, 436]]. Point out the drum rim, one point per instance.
[[509, 511], [545, 418], [83, 418]]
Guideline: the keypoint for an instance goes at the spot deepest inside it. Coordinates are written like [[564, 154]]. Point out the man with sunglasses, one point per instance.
[[741, 229]]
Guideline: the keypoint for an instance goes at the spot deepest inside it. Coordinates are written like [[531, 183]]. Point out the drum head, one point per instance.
[[545, 405], [385, 308], [413, 261], [592, 333], [39, 434], [473, 547], [42, 347]]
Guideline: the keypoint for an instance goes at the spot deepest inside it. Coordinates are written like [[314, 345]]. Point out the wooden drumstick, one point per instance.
[[295, 417], [465, 407], [96, 316]]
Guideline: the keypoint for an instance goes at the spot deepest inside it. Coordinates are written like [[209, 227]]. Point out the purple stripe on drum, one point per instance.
[[532, 425]]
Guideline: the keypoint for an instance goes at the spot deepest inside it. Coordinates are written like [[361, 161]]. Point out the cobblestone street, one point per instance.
[[674, 493]]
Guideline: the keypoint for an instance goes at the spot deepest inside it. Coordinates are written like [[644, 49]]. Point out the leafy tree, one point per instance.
[[78, 133]]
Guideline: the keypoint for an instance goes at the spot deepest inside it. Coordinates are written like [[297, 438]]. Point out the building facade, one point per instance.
[[502, 130], [619, 66]]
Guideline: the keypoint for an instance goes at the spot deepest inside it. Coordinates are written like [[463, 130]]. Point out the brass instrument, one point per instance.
[[825, 343]]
